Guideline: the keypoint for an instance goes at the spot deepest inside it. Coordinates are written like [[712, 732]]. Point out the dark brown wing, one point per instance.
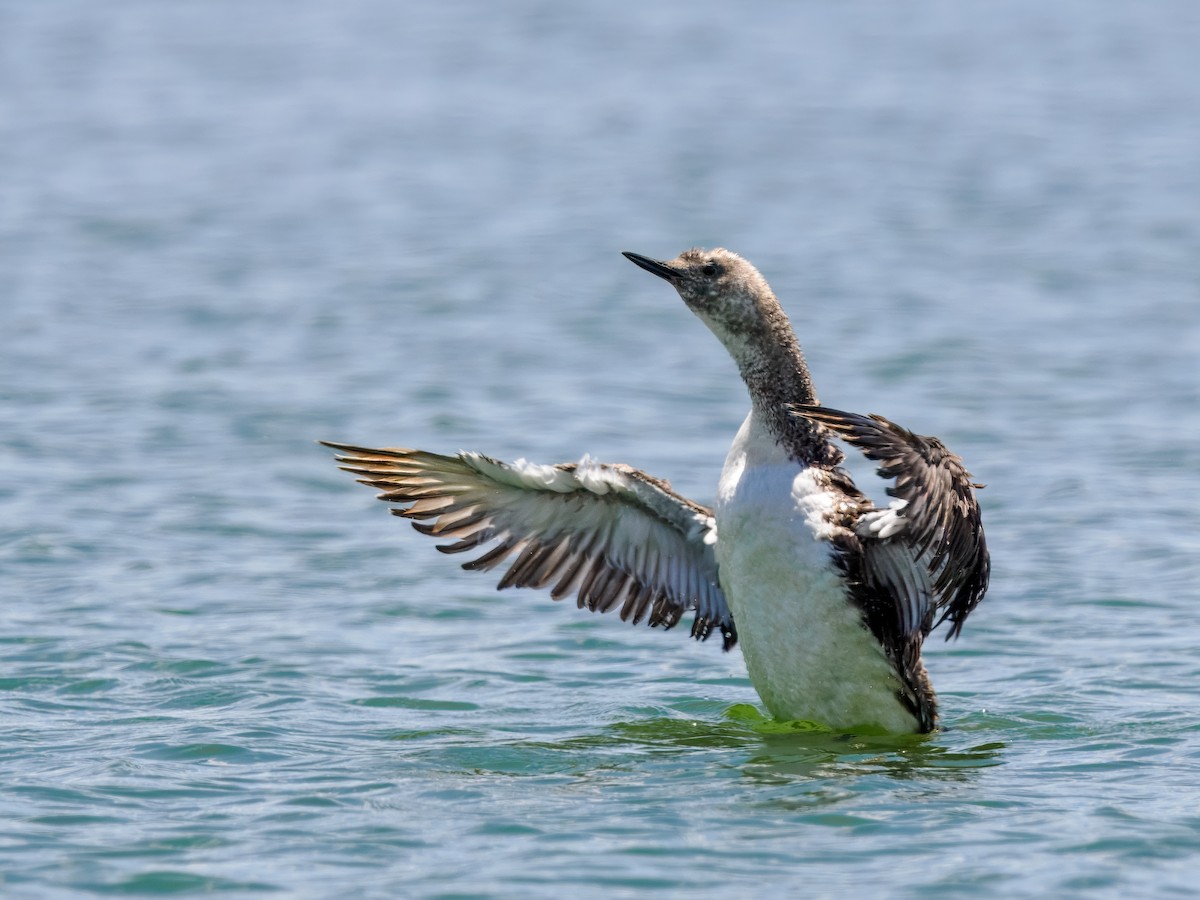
[[611, 535], [936, 517]]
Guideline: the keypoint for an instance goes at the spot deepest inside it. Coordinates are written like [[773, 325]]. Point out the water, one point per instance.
[[229, 230]]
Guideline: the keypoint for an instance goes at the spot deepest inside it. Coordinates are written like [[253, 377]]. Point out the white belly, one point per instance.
[[808, 652]]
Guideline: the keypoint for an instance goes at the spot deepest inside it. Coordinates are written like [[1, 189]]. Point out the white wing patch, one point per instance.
[[816, 502], [883, 523]]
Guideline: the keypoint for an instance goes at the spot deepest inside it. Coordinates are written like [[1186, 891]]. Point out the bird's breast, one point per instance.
[[807, 649]]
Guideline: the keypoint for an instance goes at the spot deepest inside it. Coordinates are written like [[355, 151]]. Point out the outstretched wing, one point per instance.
[[935, 520], [611, 535]]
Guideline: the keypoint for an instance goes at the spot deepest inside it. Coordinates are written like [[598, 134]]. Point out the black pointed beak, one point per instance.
[[662, 270]]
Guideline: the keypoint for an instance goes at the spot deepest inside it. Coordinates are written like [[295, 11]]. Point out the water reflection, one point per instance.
[[907, 758]]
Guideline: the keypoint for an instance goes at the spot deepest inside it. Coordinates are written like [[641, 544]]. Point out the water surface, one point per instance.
[[227, 231]]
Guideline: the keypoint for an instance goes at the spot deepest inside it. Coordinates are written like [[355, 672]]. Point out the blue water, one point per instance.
[[227, 230]]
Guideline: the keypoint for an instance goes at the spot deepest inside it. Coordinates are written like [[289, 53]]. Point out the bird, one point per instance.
[[829, 595]]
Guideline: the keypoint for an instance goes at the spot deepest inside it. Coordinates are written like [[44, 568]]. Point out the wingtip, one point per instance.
[[359, 450]]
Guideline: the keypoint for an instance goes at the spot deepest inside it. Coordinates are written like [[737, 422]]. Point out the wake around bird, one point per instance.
[[829, 596]]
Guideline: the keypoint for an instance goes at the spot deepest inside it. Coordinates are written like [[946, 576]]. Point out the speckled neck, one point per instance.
[[772, 365]]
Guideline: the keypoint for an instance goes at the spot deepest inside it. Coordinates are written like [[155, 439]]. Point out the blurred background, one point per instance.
[[229, 229]]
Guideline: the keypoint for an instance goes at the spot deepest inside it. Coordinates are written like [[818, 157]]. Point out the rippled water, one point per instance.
[[229, 230]]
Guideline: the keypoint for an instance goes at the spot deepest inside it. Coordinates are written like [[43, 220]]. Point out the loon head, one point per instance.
[[724, 290]]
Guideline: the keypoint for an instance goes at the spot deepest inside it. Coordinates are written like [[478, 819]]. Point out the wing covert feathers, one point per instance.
[[611, 535]]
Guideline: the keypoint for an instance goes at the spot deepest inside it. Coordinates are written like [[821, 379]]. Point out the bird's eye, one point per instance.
[[709, 269]]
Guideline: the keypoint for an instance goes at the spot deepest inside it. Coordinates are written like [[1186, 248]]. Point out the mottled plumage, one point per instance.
[[830, 597]]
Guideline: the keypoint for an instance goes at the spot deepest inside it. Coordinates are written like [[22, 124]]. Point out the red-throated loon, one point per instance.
[[829, 596]]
